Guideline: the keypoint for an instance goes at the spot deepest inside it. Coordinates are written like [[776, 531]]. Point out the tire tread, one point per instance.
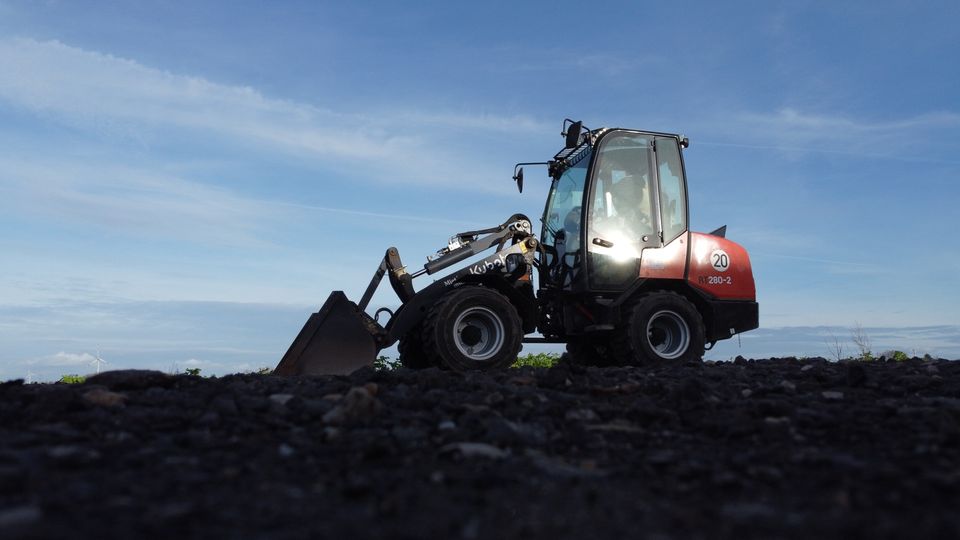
[[629, 333]]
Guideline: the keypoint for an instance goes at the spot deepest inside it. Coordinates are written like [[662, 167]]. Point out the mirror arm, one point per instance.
[[518, 172]]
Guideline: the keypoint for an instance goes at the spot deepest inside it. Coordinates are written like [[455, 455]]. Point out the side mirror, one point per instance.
[[519, 179], [573, 134]]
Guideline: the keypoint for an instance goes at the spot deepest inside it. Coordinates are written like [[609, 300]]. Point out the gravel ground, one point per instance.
[[767, 448]]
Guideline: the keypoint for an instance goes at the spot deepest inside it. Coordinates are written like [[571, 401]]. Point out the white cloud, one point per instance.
[[793, 130], [130, 199], [193, 362], [478, 121], [380, 215], [98, 89], [117, 96], [769, 237], [63, 358], [838, 266], [792, 119], [137, 201], [562, 60]]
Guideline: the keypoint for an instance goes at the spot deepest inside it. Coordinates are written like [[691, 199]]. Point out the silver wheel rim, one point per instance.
[[478, 334], [668, 334]]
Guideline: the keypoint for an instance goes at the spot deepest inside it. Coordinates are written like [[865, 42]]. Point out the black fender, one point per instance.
[[413, 312], [520, 294]]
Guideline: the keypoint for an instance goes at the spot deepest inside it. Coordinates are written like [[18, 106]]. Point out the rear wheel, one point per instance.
[[660, 327], [472, 327]]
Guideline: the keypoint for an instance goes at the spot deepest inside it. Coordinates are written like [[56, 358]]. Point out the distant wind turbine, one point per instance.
[[98, 361]]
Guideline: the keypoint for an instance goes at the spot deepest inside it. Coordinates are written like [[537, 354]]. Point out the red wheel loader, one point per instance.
[[620, 277]]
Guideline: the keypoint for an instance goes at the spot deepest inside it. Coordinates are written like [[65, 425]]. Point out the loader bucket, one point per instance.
[[336, 340]]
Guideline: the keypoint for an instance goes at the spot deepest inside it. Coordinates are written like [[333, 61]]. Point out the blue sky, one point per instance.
[[181, 184]]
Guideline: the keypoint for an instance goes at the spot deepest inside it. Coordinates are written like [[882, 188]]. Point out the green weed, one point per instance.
[[385, 363], [537, 360]]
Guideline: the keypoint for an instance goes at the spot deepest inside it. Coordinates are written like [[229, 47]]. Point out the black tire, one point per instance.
[[472, 327], [411, 350], [660, 327], [589, 351]]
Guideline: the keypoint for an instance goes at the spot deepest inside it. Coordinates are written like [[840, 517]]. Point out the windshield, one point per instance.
[[561, 221]]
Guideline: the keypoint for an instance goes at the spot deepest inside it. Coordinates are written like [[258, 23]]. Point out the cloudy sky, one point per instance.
[[182, 183]]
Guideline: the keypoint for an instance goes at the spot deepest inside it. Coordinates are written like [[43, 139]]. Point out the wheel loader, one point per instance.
[[620, 278]]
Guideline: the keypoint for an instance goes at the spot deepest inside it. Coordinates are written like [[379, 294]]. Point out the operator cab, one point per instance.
[[629, 188]]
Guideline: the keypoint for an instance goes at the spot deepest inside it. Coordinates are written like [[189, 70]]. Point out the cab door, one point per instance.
[[637, 201]]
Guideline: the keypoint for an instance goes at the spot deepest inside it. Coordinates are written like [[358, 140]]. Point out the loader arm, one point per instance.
[[341, 337], [461, 247]]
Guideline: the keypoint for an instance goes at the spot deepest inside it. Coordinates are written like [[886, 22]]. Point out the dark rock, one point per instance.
[[224, 405], [316, 408], [585, 452], [132, 379], [104, 398], [556, 377], [475, 449], [662, 456], [12, 479], [407, 436], [209, 418], [357, 406], [773, 407], [19, 516], [281, 399], [581, 415], [690, 393], [560, 468], [73, 455], [493, 398], [856, 374], [914, 383], [254, 404], [363, 375], [501, 431], [747, 511]]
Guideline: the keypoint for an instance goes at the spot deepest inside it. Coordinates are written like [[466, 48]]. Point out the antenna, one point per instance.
[[98, 361]]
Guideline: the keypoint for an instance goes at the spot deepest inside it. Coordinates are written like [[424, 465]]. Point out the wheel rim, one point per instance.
[[668, 334], [478, 333]]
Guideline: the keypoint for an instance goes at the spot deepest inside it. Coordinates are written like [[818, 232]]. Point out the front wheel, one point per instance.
[[472, 327], [660, 327], [411, 350]]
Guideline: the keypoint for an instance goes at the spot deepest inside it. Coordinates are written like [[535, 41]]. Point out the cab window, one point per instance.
[[673, 201]]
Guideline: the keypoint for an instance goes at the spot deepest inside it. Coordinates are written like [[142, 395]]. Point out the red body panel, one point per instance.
[[667, 262], [721, 268]]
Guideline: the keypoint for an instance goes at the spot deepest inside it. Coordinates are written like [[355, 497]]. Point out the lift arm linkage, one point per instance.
[[517, 228]]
